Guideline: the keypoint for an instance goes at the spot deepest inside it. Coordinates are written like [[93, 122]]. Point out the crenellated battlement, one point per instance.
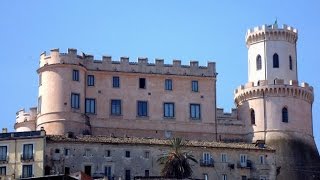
[[23, 116], [271, 32], [124, 65], [249, 90], [229, 115]]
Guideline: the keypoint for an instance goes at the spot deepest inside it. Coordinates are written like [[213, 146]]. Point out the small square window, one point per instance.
[[168, 84], [90, 80], [75, 75], [194, 86], [67, 152], [146, 154], [142, 83], [107, 153], [115, 82], [262, 159], [57, 151], [127, 154]]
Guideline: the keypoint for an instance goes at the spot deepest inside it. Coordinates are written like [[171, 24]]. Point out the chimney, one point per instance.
[[4, 130]]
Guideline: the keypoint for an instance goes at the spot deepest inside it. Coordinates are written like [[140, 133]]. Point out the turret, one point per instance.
[[272, 53], [273, 107]]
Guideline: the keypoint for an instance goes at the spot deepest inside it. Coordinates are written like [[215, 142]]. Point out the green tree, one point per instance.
[[175, 162]]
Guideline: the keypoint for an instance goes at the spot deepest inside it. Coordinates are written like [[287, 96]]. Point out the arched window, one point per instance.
[[275, 60], [252, 116], [258, 62], [284, 115], [290, 62]]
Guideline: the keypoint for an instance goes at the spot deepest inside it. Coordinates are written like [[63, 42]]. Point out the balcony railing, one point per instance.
[[247, 164], [4, 159], [27, 157], [207, 162]]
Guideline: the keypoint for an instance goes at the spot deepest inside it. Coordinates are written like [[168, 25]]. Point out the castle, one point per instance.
[[81, 95]]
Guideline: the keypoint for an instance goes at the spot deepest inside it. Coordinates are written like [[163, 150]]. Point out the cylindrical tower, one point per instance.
[[61, 93], [272, 105]]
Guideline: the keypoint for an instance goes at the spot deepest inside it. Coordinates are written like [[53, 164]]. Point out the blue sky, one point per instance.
[[185, 30]]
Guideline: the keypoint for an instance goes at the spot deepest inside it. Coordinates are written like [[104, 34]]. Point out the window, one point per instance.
[[195, 111], [258, 62], [127, 154], [168, 110], [128, 175], [27, 171], [284, 115], [142, 83], [90, 106], [116, 107], [107, 153], [115, 82], [223, 157], [87, 153], [75, 100], [3, 153], [146, 154], [67, 170], [275, 61], [205, 176], [252, 116], [27, 152], [290, 62], [261, 159], [67, 152], [168, 84], [40, 79], [107, 172], [57, 151], [87, 170], [224, 177], [243, 160], [3, 170], [194, 86], [39, 104], [142, 108], [263, 178], [146, 173], [206, 158], [90, 80], [243, 177], [75, 75]]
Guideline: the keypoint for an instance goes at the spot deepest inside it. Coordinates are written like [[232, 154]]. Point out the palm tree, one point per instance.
[[176, 163]]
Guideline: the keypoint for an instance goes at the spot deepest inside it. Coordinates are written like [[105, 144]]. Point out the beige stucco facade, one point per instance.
[[18, 160]]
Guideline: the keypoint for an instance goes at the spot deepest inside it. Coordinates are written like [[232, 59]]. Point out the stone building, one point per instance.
[[81, 95], [125, 158]]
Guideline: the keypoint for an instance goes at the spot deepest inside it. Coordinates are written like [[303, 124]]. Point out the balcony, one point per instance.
[[246, 165], [4, 159], [207, 162], [27, 158]]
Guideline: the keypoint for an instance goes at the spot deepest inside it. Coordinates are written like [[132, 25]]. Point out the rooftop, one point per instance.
[[151, 141]]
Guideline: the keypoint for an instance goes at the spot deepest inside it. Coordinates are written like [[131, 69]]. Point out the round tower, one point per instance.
[[273, 106], [61, 83]]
